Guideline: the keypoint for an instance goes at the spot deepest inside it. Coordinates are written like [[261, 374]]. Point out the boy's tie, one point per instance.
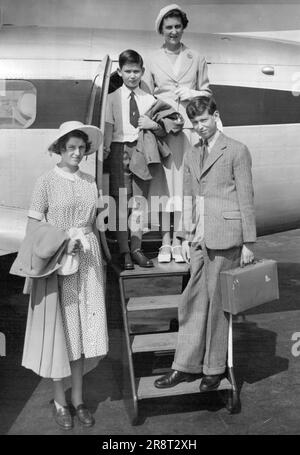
[[204, 153], [133, 110]]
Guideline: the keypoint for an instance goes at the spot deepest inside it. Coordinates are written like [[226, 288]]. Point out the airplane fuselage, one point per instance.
[[255, 83]]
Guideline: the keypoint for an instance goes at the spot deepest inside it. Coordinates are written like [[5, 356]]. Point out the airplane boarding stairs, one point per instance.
[[141, 339]]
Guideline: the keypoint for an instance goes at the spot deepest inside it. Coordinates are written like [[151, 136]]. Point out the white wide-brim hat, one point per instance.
[[94, 134], [163, 12]]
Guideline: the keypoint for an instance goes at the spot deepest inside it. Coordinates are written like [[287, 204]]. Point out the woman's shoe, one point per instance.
[[165, 253], [84, 416], [176, 254], [63, 418]]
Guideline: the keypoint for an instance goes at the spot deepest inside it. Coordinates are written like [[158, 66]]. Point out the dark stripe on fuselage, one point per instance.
[[241, 106], [62, 100]]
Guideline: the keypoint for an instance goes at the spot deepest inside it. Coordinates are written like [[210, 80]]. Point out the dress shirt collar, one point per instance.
[[212, 140], [177, 52], [67, 175], [127, 91]]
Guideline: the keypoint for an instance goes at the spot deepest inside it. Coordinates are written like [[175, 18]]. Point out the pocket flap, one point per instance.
[[232, 215]]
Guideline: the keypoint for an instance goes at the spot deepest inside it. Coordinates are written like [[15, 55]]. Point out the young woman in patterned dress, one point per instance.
[[67, 198]]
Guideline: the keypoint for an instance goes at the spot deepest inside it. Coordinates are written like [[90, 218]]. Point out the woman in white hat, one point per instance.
[[67, 199], [175, 74]]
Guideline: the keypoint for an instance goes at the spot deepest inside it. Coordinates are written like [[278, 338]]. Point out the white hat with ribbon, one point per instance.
[[93, 132]]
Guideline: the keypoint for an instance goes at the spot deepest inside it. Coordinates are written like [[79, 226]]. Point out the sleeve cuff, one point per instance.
[[36, 215], [206, 92]]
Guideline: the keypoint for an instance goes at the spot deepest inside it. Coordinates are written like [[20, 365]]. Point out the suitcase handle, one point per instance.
[[255, 261]]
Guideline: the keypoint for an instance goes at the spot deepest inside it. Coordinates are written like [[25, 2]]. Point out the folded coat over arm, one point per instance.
[[151, 147]]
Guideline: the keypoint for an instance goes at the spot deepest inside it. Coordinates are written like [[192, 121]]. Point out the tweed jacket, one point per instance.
[[162, 80], [225, 184]]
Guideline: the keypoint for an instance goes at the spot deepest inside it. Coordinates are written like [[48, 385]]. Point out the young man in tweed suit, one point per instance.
[[218, 233]]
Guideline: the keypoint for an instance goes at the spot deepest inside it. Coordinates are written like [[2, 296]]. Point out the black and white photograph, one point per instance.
[[149, 220]]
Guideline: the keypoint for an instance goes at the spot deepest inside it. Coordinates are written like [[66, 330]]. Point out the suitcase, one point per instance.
[[250, 286]]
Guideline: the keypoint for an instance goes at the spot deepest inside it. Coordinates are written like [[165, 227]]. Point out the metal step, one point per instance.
[[146, 389], [154, 342], [154, 302], [170, 269]]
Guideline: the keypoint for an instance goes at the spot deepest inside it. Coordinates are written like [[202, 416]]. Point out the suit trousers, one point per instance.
[[203, 325], [131, 186]]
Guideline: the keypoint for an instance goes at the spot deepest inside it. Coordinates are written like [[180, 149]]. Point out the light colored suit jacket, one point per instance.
[[225, 183], [161, 79]]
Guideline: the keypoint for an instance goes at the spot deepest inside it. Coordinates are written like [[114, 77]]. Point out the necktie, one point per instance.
[[204, 153], [133, 111]]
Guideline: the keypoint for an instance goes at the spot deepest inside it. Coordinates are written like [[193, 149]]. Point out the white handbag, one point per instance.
[[70, 262]]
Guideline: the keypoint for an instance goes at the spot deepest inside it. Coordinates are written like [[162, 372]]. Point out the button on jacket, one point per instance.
[[225, 184], [162, 80]]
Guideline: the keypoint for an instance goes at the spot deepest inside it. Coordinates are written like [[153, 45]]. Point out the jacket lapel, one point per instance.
[[164, 64], [186, 60], [215, 153]]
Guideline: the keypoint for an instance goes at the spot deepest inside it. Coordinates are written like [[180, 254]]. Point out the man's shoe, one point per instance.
[[173, 378], [210, 382], [126, 261], [84, 416], [63, 418], [140, 259]]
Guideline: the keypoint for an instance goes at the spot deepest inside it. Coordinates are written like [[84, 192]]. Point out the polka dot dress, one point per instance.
[[69, 200]]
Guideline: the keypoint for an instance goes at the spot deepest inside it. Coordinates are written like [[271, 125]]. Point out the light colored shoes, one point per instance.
[[176, 254], [168, 252], [165, 253]]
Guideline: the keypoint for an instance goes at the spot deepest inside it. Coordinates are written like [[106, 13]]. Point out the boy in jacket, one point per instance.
[[126, 118], [218, 234]]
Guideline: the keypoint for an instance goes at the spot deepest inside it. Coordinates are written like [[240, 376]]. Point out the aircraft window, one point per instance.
[[17, 104]]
